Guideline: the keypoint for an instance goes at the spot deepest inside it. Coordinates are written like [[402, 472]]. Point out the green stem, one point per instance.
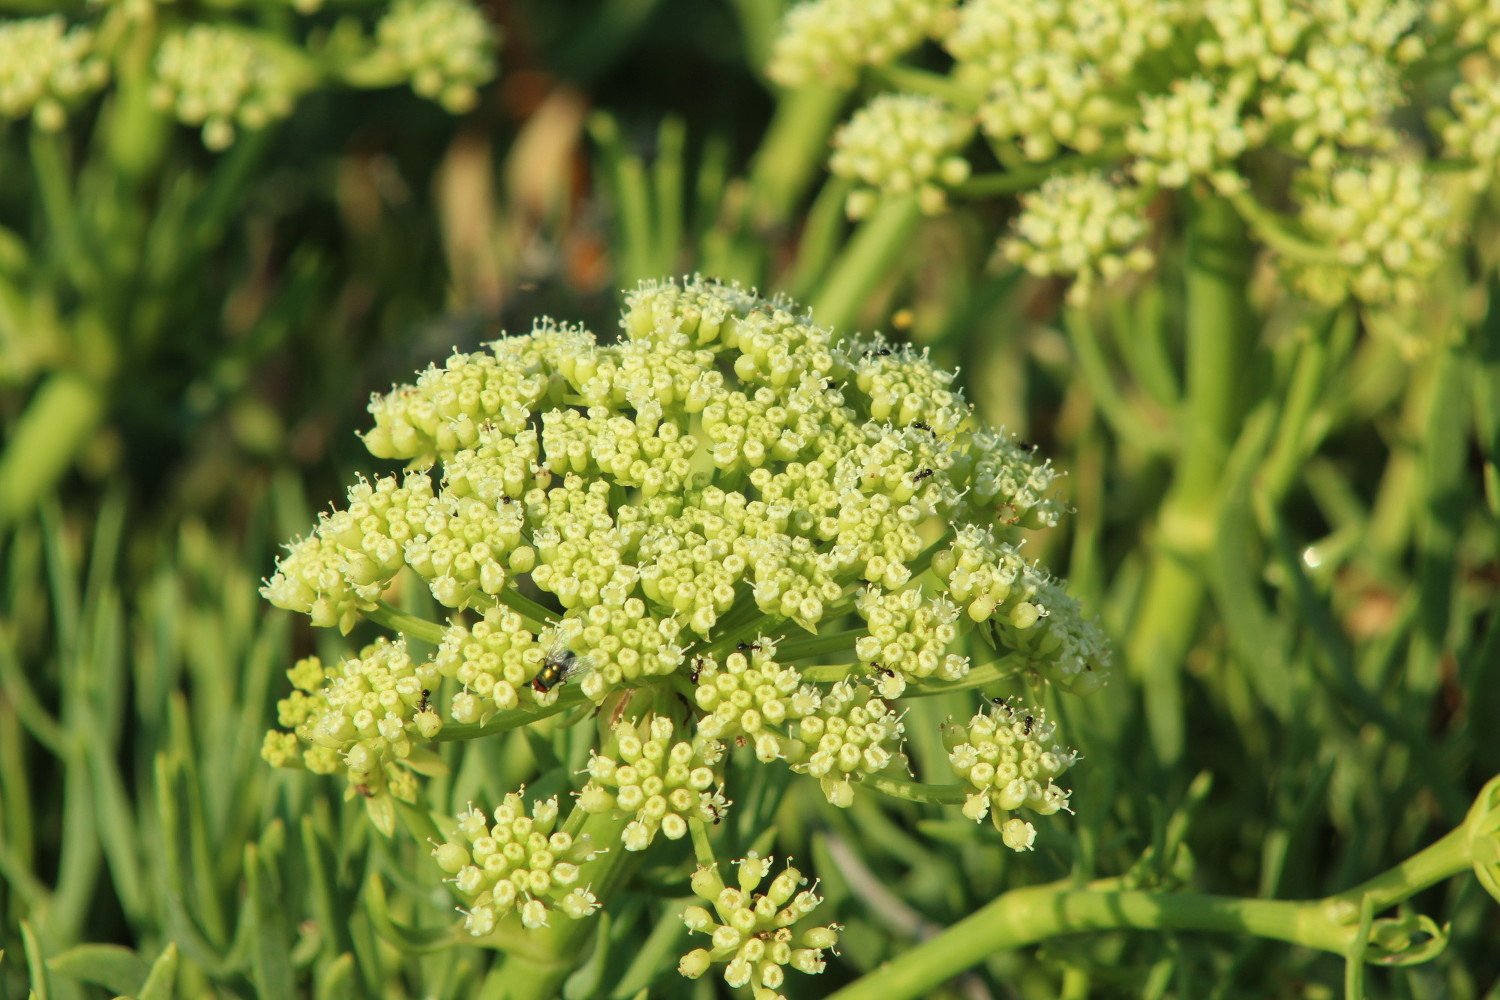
[[1025, 177], [921, 81], [1124, 419], [831, 673], [511, 719], [535, 616], [795, 143], [799, 649], [1035, 914], [916, 791], [52, 170], [1435, 863], [1290, 448], [1028, 916], [703, 848], [866, 263], [822, 233], [408, 625], [1273, 232], [1219, 342], [1006, 667]]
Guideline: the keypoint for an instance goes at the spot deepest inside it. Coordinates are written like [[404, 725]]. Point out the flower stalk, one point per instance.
[[1218, 350], [1035, 914]]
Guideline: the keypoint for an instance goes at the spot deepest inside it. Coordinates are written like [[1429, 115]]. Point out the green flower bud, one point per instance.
[[1254, 35], [1193, 131], [852, 734], [757, 934], [1081, 226], [1386, 225], [47, 68], [224, 78], [1009, 758], [1018, 835], [827, 41], [1473, 22], [365, 715], [1471, 129], [1385, 28], [444, 47], [902, 144], [354, 553], [749, 692], [664, 783], [519, 864], [1334, 98], [909, 638]]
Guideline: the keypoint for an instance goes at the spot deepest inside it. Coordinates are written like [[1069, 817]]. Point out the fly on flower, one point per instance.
[[558, 666]]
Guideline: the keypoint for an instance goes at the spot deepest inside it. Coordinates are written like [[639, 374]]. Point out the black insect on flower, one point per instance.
[[557, 667]]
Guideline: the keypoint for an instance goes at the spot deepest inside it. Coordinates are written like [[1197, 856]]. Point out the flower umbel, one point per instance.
[[521, 863], [45, 67], [663, 783], [1009, 758], [756, 935], [731, 530]]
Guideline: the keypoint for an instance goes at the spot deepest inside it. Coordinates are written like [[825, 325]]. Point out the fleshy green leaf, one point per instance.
[[161, 982], [108, 965]]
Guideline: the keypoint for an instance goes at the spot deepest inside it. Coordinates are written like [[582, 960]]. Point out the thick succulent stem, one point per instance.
[[1218, 347], [1038, 913]]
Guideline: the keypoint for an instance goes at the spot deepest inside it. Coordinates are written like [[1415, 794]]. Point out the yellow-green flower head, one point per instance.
[[1022, 604], [902, 144], [1387, 28], [224, 78], [46, 67], [1058, 75], [1116, 35], [990, 36], [1048, 101], [1257, 36], [757, 935], [828, 41], [1482, 828], [852, 734], [495, 660], [520, 864], [1008, 480], [1334, 98], [724, 481], [660, 781], [341, 569], [1010, 758], [444, 47], [909, 638], [1194, 131], [1387, 228], [1471, 129], [366, 717], [1472, 22], [1083, 227], [752, 695], [468, 405]]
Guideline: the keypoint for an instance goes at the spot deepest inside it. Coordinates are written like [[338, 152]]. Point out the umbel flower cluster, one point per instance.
[[731, 530], [226, 77], [1090, 110]]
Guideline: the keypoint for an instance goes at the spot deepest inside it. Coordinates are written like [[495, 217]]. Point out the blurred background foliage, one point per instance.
[[1340, 692]]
